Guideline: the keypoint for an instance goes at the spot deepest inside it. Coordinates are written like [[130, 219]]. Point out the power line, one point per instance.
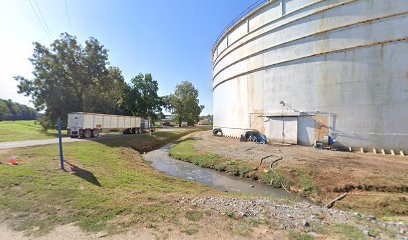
[[42, 17], [69, 20], [39, 20]]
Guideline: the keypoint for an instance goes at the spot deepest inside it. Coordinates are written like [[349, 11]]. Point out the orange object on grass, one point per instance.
[[13, 161]]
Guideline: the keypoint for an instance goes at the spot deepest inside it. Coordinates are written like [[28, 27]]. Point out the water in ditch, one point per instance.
[[160, 159]]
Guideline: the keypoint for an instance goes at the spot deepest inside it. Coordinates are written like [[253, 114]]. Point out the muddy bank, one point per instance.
[[160, 160], [376, 184]]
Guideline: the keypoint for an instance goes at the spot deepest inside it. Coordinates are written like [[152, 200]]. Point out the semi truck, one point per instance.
[[88, 125]]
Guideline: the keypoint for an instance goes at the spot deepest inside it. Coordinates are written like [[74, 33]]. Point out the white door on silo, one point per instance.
[[290, 127], [282, 129]]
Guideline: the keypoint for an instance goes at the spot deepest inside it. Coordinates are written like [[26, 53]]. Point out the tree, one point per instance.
[[4, 111], [14, 109], [71, 78], [10, 110], [109, 96], [184, 103], [142, 98]]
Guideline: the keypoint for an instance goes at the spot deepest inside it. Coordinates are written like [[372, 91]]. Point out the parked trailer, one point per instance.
[[89, 125], [147, 126]]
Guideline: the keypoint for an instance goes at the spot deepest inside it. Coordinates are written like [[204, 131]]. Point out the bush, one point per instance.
[[222, 167], [233, 168], [275, 180]]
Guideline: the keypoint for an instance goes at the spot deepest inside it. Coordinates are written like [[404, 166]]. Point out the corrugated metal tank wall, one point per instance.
[[339, 67]]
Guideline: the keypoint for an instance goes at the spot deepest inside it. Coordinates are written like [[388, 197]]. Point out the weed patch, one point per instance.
[[194, 215], [349, 231], [189, 229], [240, 228], [305, 182], [293, 235], [276, 180], [185, 151], [229, 214]]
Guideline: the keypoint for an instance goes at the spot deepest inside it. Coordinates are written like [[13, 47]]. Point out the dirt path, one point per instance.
[[210, 226], [69, 232]]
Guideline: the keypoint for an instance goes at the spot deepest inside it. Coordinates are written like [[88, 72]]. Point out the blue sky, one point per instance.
[[170, 39]]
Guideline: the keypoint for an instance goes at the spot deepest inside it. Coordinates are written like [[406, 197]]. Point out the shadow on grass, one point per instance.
[[84, 174]]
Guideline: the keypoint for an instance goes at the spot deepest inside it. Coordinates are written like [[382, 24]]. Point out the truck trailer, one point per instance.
[[87, 125]]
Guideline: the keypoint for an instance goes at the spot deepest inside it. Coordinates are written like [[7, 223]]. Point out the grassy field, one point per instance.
[[106, 186], [23, 130]]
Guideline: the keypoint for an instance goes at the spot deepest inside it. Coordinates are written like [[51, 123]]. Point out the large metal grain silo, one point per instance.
[[300, 70]]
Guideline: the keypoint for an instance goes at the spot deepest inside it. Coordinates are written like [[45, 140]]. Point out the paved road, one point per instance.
[[30, 143]]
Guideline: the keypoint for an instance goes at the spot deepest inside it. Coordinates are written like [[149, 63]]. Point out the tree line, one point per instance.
[[71, 77], [11, 111]]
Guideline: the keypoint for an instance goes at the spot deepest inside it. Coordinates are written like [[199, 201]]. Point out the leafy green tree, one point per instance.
[[10, 110], [69, 77], [4, 111], [109, 96], [142, 98], [15, 110], [184, 103]]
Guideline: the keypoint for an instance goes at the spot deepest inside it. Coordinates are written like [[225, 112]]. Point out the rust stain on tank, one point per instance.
[[322, 126], [382, 51]]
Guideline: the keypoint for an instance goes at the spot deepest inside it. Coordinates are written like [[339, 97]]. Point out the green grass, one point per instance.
[[305, 182], [349, 231], [276, 179], [107, 186], [185, 151], [23, 130], [229, 214], [293, 235], [194, 215], [383, 205]]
